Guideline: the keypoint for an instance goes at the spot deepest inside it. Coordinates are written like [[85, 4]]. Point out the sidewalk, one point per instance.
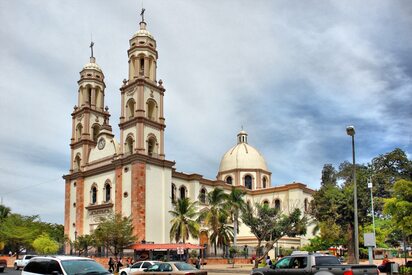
[[228, 268]]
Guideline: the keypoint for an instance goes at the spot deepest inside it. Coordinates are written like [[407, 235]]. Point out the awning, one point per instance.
[[164, 246]]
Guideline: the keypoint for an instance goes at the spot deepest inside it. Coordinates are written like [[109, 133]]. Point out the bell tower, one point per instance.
[[142, 121], [89, 114]]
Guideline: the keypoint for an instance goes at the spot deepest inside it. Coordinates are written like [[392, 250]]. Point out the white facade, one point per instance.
[[133, 177]]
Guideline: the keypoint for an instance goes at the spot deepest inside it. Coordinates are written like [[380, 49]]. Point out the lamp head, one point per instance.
[[350, 130]]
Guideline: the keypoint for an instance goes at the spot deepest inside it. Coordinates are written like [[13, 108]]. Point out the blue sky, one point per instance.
[[293, 73]]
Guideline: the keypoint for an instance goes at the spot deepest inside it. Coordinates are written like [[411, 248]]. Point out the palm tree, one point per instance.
[[224, 234], [235, 205], [184, 222], [211, 216]]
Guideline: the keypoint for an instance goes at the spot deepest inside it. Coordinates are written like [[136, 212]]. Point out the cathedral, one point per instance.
[[131, 174]]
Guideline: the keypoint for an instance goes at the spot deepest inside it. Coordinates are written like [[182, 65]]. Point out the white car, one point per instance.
[[138, 266], [63, 265]]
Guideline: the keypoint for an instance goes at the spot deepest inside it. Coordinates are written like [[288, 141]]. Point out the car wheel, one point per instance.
[[1, 270], [16, 267], [123, 273]]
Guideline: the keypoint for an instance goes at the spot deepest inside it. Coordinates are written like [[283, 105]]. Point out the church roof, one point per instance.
[[242, 156]]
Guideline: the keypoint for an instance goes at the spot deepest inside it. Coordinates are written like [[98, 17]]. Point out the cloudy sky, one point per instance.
[[293, 73]]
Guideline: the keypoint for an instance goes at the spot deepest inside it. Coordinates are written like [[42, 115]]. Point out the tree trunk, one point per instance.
[[235, 230], [351, 247]]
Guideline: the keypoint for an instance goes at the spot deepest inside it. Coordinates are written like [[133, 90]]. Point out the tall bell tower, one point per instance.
[[89, 114], [142, 122]]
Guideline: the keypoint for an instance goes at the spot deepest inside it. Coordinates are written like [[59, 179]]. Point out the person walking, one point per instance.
[[111, 264]]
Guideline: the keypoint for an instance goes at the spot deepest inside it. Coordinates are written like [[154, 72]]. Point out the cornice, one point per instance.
[[99, 206], [87, 109], [82, 142], [140, 81], [92, 79], [141, 119], [143, 47], [119, 161]]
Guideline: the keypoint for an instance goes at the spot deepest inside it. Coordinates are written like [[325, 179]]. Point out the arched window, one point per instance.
[[79, 129], [229, 180], [151, 110], [173, 193], [94, 195], [248, 182], [182, 191], [202, 195], [264, 182], [108, 189], [96, 130], [141, 71], [89, 96], [129, 145], [277, 204], [151, 146], [266, 203], [130, 108], [77, 162], [306, 205]]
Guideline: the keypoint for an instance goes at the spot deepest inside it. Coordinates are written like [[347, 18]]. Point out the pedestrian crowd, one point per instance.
[[116, 264]]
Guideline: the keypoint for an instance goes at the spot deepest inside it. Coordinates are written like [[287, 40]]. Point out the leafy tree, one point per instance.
[[333, 202], [236, 205], [386, 169], [211, 215], [114, 232], [19, 232], [84, 243], [399, 207], [184, 222], [269, 224], [45, 245]]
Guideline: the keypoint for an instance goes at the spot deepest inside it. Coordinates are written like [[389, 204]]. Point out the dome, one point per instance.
[[142, 31], [242, 156], [92, 65]]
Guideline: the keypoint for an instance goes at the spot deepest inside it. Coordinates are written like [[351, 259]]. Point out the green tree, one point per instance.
[[211, 215], [399, 207], [386, 169], [19, 232], [45, 245], [84, 243], [269, 224], [183, 221], [4, 212], [114, 232], [236, 205], [224, 235]]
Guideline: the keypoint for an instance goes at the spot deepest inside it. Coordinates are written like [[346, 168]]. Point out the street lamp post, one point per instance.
[[350, 130]]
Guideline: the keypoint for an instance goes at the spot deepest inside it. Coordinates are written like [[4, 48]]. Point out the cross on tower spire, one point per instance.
[[91, 48], [142, 14]]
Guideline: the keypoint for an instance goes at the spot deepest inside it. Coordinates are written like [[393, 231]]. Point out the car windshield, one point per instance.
[[83, 267], [184, 266]]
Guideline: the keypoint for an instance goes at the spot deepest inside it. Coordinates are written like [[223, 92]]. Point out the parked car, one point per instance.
[[138, 266], [3, 264], [20, 263], [314, 264], [172, 268], [64, 265]]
